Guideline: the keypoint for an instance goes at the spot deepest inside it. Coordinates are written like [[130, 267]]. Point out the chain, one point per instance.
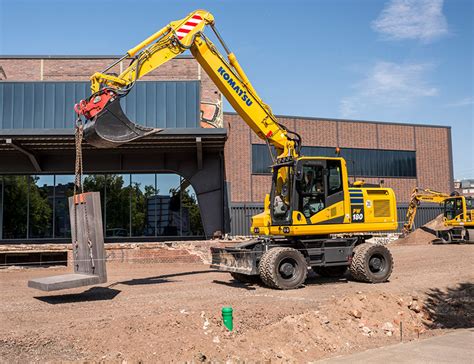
[[78, 185]]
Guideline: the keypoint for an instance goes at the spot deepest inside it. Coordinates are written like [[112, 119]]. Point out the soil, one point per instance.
[[172, 313], [425, 234]]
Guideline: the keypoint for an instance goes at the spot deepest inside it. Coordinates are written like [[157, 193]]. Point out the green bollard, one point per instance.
[[227, 317]]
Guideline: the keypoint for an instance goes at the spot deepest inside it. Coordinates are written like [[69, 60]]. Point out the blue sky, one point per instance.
[[385, 60]]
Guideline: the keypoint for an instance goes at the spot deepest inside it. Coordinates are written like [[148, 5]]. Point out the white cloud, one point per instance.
[[462, 102], [388, 85], [412, 19]]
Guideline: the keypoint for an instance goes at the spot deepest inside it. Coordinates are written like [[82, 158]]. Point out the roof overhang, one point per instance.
[[40, 151]]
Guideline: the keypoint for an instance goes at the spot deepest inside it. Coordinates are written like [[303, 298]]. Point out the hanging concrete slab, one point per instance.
[[88, 247]]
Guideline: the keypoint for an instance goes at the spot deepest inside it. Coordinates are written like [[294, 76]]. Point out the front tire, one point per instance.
[[371, 263], [283, 268]]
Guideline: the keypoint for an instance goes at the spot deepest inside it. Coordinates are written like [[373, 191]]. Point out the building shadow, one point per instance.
[[92, 294], [452, 308], [165, 278]]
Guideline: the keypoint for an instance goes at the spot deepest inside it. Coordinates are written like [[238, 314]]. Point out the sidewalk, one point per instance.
[[456, 347]]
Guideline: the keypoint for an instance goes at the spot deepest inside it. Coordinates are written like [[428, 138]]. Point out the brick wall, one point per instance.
[[430, 143], [80, 69]]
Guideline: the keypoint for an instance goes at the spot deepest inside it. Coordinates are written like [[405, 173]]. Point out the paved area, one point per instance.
[[456, 347]]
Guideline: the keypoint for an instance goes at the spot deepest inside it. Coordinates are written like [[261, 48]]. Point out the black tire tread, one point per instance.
[[268, 262], [357, 267]]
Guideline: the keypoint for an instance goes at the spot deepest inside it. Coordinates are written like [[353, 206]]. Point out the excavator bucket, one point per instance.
[[111, 128]]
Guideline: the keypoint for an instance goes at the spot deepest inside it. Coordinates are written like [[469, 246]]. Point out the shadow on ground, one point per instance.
[[92, 294], [452, 308], [236, 284], [165, 278]]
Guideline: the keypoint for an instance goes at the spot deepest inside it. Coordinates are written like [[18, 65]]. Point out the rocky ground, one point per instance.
[[163, 312]]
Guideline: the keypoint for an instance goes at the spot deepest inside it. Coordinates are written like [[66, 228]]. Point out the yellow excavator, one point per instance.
[[313, 217], [458, 215]]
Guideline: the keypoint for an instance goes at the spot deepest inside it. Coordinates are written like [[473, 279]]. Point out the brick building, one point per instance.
[[428, 145], [403, 155]]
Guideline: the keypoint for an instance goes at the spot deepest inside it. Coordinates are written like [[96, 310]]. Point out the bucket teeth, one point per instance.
[[111, 128]]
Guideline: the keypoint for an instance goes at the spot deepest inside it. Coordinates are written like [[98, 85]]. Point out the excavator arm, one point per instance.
[[418, 195], [108, 126]]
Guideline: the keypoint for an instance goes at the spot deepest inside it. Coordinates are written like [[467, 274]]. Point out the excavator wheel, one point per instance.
[[245, 278], [331, 272], [371, 263], [283, 268]]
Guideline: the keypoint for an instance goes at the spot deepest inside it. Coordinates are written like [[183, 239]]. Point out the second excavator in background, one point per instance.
[[313, 217], [458, 215]]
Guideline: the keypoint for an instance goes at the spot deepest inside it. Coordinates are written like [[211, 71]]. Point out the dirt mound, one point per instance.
[[340, 327], [417, 237], [437, 223], [424, 235]]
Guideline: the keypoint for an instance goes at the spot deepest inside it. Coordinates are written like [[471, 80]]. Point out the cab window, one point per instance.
[[311, 190], [334, 177]]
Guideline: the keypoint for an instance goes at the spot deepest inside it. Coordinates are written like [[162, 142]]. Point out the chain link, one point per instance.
[[78, 185]]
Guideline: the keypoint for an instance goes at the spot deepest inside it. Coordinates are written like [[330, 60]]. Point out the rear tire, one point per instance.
[[245, 278], [331, 272], [283, 268], [371, 263]]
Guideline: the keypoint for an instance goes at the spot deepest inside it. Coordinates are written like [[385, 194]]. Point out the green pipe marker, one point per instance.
[[227, 317]]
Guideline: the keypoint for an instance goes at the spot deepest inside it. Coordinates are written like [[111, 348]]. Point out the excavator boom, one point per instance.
[[109, 127]]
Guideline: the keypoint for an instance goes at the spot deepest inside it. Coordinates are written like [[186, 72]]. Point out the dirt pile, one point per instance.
[[417, 237], [424, 235], [343, 325], [436, 224]]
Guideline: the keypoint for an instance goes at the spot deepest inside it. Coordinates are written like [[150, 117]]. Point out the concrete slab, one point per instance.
[[88, 246], [455, 347], [55, 283]]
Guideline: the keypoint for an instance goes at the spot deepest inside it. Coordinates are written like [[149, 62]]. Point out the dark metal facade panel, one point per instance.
[[49, 105]]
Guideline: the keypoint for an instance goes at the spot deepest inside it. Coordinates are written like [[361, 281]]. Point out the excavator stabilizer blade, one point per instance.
[[111, 128]]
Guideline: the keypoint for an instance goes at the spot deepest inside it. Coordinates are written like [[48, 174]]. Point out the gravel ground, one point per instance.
[[163, 312]]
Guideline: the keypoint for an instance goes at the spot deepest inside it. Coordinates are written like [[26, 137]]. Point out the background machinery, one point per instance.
[[458, 215], [311, 198]]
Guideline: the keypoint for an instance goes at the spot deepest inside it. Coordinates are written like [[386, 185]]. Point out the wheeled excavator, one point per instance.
[[458, 215], [313, 217]]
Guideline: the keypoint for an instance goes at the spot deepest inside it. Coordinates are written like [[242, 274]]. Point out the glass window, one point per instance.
[[167, 204], [118, 196], [41, 201], [360, 162], [191, 215], [143, 212], [15, 207], [311, 190], [63, 189], [334, 177], [261, 159], [469, 203], [281, 193]]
